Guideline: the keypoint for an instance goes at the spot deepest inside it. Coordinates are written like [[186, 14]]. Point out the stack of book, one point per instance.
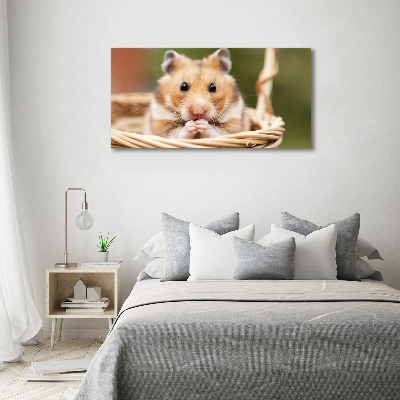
[[92, 264], [64, 370], [72, 305]]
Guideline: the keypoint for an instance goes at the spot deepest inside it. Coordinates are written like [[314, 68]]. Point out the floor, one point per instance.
[[12, 388]]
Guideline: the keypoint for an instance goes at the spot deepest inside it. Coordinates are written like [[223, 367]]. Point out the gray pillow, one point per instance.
[[253, 261], [346, 244], [177, 243]]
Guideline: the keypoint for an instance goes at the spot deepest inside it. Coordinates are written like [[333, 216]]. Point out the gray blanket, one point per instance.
[[252, 340]]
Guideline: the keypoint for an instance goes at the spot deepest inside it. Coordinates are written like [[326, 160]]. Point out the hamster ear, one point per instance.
[[224, 58], [170, 57]]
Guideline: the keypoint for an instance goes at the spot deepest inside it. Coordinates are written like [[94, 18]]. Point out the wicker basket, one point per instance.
[[129, 113]]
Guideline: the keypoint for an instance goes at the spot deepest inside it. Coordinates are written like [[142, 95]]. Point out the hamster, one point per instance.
[[197, 98]]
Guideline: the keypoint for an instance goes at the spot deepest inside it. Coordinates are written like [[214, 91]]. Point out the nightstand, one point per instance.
[[60, 284]]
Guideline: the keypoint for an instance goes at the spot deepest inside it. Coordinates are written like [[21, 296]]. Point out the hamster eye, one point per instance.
[[184, 87], [212, 88]]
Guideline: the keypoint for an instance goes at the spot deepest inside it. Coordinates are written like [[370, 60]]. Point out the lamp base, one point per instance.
[[69, 265]]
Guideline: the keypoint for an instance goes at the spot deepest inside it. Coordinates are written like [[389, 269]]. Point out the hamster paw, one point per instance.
[[201, 125], [191, 129]]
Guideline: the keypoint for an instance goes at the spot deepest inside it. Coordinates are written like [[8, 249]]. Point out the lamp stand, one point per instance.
[[66, 264]]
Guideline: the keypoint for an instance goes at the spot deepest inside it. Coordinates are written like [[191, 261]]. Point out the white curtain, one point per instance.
[[19, 319]]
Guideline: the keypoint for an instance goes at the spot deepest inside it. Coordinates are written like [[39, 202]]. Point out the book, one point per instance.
[[85, 301], [28, 374], [92, 304], [61, 366], [84, 310], [101, 264]]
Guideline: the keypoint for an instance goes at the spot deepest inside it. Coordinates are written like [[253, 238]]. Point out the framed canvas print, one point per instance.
[[210, 98]]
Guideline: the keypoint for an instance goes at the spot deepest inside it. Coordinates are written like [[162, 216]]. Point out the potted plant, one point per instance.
[[103, 245]]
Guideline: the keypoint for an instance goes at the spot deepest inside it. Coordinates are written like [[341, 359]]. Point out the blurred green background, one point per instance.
[[291, 98]]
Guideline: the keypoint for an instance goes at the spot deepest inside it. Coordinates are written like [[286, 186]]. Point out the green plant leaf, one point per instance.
[[104, 243]]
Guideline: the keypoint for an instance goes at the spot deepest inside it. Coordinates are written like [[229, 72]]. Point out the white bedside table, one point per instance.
[[60, 284]]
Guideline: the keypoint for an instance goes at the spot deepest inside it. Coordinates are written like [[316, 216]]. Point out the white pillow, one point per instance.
[[365, 269], [366, 249], [266, 240], [155, 268], [211, 255], [315, 253], [153, 248]]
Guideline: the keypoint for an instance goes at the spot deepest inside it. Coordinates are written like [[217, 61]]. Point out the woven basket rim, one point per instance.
[[267, 138]]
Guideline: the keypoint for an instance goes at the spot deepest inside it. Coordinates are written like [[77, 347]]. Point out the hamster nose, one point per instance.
[[198, 111]]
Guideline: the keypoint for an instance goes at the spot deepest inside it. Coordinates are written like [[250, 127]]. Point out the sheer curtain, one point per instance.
[[19, 319]]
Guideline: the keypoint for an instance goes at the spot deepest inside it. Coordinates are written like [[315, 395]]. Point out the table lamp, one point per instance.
[[84, 221]]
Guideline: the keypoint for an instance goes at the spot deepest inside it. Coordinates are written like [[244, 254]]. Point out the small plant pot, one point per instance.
[[103, 256]]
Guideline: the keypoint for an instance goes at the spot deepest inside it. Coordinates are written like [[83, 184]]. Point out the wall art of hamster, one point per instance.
[[220, 98]]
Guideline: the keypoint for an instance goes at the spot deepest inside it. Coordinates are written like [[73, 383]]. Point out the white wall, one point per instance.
[[60, 89]]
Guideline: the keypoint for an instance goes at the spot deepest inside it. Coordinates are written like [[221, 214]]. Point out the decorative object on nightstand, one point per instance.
[[80, 290], [86, 299], [103, 245], [84, 221], [60, 286], [93, 293]]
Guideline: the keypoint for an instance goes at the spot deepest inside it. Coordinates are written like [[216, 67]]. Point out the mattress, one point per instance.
[[253, 340]]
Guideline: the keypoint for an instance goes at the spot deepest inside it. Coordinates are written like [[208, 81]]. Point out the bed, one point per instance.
[[251, 340]]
